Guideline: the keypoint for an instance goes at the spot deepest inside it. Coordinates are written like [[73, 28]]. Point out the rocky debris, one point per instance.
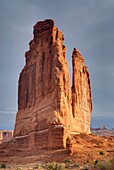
[[49, 110], [86, 150]]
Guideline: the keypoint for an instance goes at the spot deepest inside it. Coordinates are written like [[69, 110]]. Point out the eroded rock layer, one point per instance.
[[49, 110]]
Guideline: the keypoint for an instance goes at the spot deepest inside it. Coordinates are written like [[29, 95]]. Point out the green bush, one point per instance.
[[67, 161], [3, 166], [102, 153]]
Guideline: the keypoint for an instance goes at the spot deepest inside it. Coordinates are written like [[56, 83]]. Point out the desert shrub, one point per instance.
[[52, 166], [61, 166], [67, 161], [19, 168], [3, 166], [96, 162], [76, 165], [39, 167], [102, 153], [86, 162], [55, 166]]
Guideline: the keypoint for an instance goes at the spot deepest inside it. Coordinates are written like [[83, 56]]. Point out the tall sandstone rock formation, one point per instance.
[[49, 109], [81, 94]]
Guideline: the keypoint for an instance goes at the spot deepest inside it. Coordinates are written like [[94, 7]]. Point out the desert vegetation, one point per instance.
[[3, 166], [67, 164]]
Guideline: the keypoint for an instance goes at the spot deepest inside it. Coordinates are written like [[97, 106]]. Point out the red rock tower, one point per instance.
[[49, 110]]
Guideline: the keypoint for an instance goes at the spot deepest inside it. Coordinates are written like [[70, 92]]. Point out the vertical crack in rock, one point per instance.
[[49, 109]]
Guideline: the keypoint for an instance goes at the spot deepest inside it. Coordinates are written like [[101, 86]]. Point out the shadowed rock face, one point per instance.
[[81, 94], [49, 109]]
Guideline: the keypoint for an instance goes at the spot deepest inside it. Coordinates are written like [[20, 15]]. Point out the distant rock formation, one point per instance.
[[49, 109], [5, 135]]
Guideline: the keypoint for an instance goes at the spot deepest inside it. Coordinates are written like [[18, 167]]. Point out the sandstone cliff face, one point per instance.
[[49, 110]]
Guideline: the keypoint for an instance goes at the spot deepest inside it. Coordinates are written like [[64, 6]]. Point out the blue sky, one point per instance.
[[87, 25]]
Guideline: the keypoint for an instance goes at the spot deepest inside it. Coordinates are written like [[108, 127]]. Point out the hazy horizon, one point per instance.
[[96, 122]]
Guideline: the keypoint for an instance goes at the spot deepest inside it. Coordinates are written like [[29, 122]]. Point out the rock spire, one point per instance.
[[49, 109]]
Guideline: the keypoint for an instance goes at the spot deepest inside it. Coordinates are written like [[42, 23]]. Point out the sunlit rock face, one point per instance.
[[49, 109]]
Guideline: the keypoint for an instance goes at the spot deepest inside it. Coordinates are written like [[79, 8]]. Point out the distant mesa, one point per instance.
[[99, 128], [50, 111]]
